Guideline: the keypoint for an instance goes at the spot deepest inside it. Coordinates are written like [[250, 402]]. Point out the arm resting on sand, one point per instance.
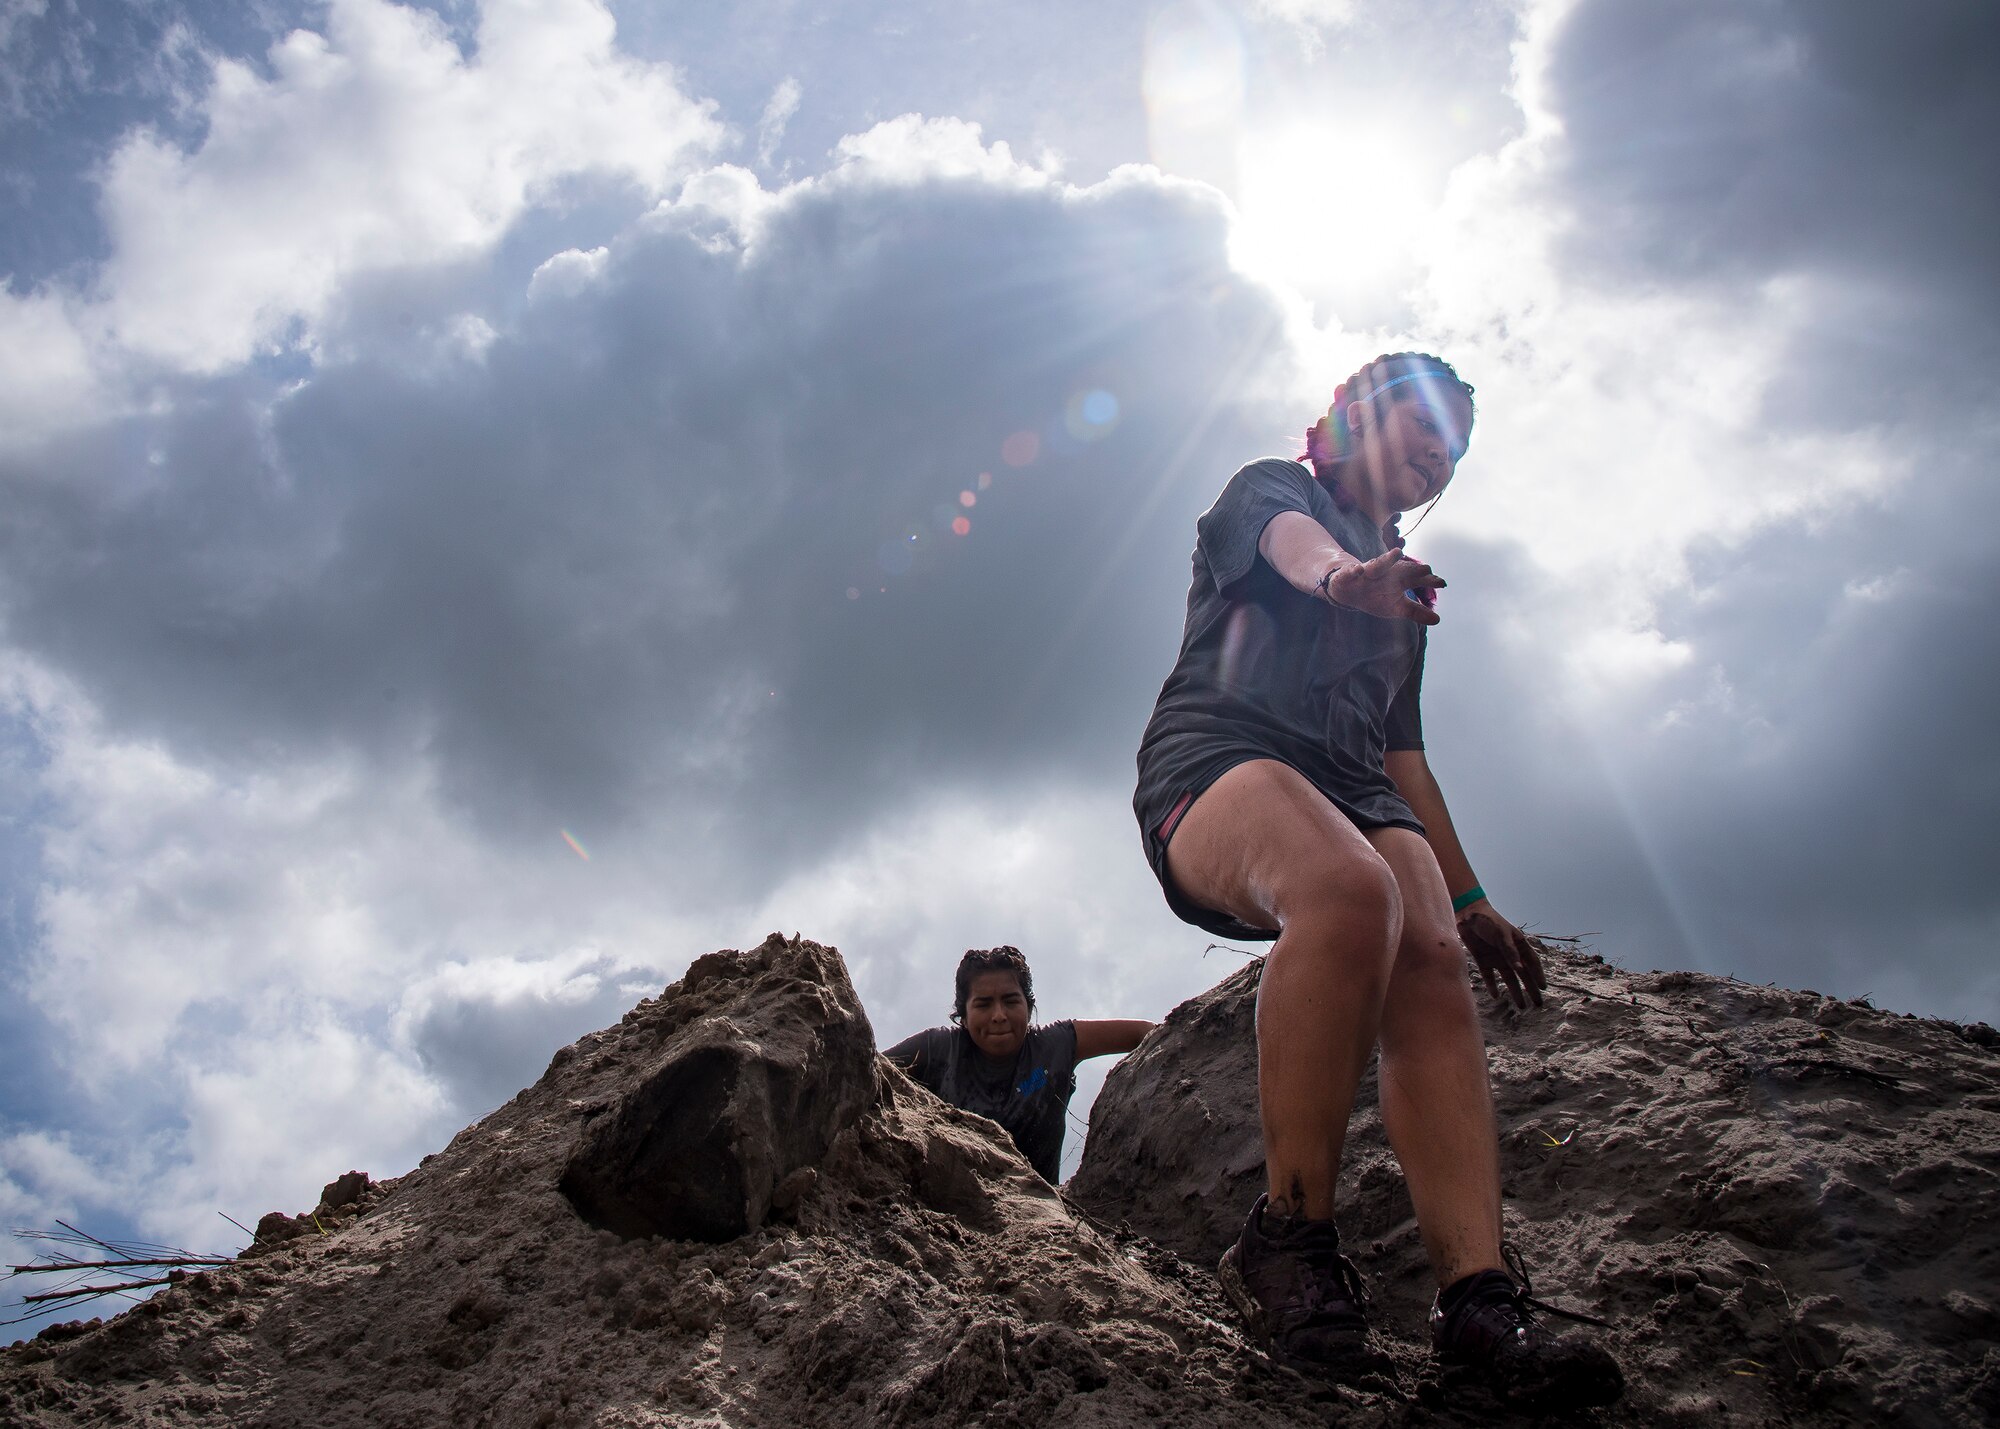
[[1102, 1038], [1501, 950], [1419, 788]]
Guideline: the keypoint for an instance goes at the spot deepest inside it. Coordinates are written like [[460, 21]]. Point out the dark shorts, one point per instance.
[[1160, 815]]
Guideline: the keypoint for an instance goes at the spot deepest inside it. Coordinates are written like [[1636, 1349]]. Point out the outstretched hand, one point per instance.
[[1384, 586], [1502, 952]]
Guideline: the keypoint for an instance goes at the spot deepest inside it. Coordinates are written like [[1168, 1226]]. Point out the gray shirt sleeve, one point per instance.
[[1059, 1043], [1227, 533]]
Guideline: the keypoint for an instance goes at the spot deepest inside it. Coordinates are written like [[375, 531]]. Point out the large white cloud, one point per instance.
[[371, 143], [377, 144]]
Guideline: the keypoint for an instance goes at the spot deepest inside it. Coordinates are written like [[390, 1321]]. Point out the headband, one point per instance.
[[1412, 377]]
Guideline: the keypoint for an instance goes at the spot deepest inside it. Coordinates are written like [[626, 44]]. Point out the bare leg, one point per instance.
[[1266, 847], [1437, 1100]]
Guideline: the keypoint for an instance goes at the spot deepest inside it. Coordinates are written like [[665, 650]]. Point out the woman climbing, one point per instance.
[[1284, 794], [993, 1062]]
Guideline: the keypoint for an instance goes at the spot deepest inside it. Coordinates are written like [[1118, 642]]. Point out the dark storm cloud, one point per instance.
[[601, 576], [1844, 152], [1808, 801], [1747, 140], [1864, 659], [1810, 798]]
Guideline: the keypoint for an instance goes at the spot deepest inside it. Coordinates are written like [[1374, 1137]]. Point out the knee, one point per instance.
[[1430, 951], [1355, 895]]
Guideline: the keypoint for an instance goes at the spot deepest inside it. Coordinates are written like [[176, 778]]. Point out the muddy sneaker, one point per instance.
[[1300, 1298], [1489, 1338]]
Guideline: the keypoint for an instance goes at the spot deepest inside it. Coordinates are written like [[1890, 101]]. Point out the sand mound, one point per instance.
[[890, 1261], [726, 1210], [1783, 1202]]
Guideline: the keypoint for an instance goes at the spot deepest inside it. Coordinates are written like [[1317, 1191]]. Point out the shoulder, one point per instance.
[[1055, 1041], [1275, 469], [929, 1045], [1258, 490]]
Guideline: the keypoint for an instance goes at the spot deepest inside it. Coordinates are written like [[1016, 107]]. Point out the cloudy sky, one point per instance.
[[500, 498]]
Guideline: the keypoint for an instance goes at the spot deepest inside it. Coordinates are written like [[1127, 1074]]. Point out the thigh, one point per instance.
[[1260, 839]]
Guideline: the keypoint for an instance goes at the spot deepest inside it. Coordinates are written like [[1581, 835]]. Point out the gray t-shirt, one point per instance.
[[1029, 1094], [1266, 672]]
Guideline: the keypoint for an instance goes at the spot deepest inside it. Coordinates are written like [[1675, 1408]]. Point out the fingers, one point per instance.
[[1469, 936], [1387, 585], [1495, 950], [1531, 965], [1405, 569], [1526, 956]]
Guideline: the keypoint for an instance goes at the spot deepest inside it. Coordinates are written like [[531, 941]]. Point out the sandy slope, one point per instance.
[[921, 1274], [1785, 1202]]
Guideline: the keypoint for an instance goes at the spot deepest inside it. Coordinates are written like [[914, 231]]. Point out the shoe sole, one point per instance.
[[1230, 1272]]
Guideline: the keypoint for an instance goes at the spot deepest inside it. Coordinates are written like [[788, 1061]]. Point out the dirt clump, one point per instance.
[[711, 1140]]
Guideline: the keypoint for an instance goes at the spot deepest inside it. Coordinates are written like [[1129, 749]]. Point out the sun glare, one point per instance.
[[1332, 210]]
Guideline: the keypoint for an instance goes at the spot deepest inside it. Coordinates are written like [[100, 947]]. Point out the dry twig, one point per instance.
[[119, 1255]]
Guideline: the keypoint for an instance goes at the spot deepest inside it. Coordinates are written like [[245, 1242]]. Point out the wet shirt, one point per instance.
[[1268, 672], [1028, 1095]]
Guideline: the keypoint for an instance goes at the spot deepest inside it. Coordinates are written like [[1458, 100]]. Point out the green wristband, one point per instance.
[[1466, 899]]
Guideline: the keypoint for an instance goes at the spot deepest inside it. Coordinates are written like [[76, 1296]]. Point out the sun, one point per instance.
[[1334, 210]]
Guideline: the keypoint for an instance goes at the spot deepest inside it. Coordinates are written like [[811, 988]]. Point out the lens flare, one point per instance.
[[960, 526], [1090, 414], [570, 839], [1021, 448]]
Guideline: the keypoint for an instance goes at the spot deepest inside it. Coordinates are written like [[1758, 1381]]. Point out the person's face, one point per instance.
[[996, 1014], [1410, 449]]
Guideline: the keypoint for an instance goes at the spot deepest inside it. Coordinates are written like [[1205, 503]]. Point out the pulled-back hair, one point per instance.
[[1329, 441], [991, 960]]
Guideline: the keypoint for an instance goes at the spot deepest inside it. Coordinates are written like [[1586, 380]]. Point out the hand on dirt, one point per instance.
[[1502, 952], [1383, 587]]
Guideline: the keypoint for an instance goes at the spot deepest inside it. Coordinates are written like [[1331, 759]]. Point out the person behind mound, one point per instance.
[[1284, 794], [993, 1062]]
